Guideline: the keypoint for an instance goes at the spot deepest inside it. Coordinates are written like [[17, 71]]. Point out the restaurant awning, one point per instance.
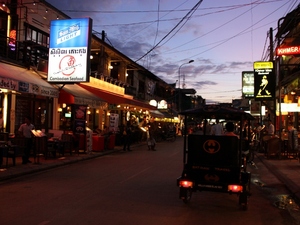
[[74, 94], [117, 99], [156, 113], [21, 79]]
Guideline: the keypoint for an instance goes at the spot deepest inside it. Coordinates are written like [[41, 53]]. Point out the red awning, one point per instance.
[[117, 99], [74, 94]]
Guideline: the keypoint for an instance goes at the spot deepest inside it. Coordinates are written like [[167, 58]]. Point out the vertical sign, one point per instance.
[[264, 81], [79, 118], [248, 84], [69, 52]]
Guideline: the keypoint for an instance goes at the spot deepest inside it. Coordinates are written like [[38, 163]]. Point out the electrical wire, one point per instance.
[[186, 16]]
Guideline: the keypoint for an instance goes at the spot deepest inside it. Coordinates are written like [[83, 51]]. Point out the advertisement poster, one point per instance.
[[248, 84], [79, 118], [264, 81], [113, 122]]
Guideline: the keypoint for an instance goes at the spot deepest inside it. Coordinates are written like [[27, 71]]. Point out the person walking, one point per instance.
[[25, 132], [127, 137]]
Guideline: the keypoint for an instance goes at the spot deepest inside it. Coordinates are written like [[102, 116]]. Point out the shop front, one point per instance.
[[25, 93]]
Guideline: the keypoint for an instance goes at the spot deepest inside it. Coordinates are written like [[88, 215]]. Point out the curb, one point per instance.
[[292, 187]]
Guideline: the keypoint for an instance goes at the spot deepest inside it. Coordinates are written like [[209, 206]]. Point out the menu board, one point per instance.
[[79, 118]]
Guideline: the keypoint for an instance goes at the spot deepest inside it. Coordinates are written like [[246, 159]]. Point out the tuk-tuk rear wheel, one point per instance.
[[186, 194], [243, 201]]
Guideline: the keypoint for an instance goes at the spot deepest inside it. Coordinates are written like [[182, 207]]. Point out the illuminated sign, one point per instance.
[[264, 81], [12, 40], [69, 52], [248, 84], [292, 50]]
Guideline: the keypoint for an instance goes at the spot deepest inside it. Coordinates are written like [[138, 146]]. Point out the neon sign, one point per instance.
[[292, 50]]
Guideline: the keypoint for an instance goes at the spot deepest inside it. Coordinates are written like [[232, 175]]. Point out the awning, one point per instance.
[[24, 80], [156, 113], [74, 94], [169, 114], [117, 99]]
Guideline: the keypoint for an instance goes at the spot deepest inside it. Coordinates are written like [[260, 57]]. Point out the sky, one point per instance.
[[223, 38]]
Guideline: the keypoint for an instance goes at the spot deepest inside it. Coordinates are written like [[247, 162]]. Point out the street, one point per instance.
[[134, 188]]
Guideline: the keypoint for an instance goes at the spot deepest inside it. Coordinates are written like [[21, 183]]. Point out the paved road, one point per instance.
[[129, 188]]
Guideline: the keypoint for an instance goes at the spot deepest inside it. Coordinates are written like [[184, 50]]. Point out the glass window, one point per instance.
[[40, 38], [34, 35], [28, 34]]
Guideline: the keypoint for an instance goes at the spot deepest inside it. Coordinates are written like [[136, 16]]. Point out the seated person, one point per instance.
[[230, 129]]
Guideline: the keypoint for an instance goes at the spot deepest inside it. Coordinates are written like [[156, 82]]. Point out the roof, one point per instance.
[[218, 112]]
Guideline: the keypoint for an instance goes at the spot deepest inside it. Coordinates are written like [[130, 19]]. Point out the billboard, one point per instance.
[[264, 81], [248, 84], [69, 50]]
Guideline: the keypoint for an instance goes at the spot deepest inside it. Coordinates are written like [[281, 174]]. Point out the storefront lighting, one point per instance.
[[263, 110], [64, 105], [59, 110], [298, 101], [293, 93], [97, 111], [89, 112], [111, 67], [118, 106]]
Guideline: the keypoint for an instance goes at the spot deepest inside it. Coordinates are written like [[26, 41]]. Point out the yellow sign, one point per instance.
[[263, 65]]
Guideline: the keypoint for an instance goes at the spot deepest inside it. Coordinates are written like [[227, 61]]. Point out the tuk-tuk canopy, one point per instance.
[[218, 112]]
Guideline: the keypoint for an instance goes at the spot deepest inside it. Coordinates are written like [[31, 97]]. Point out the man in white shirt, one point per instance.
[[217, 129], [25, 132]]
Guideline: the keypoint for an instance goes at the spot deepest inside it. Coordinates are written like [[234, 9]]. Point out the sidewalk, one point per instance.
[[41, 164], [287, 170]]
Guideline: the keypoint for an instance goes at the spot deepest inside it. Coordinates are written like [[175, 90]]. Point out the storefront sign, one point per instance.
[[264, 81], [25, 87], [291, 50], [69, 52], [248, 84]]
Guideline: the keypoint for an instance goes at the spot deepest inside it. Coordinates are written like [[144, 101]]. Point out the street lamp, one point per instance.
[[179, 90], [179, 71]]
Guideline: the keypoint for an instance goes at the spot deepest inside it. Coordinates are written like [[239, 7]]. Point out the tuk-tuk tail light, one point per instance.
[[186, 184], [235, 188]]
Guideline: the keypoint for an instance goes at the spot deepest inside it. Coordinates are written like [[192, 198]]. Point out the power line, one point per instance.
[[187, 17]]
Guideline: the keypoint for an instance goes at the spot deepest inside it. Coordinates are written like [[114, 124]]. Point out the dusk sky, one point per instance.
[[223, 38]]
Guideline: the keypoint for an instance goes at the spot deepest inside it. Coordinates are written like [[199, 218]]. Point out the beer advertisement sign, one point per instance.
[[69, 52], [264, 81]]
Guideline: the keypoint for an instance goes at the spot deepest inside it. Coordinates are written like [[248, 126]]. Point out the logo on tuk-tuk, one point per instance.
[[211, 146], [212, 177]]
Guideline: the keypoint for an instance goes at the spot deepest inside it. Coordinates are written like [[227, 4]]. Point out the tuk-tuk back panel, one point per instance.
[[212, 150]]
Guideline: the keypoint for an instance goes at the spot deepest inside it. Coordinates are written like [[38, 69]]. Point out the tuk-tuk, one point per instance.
[[215, 163]]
